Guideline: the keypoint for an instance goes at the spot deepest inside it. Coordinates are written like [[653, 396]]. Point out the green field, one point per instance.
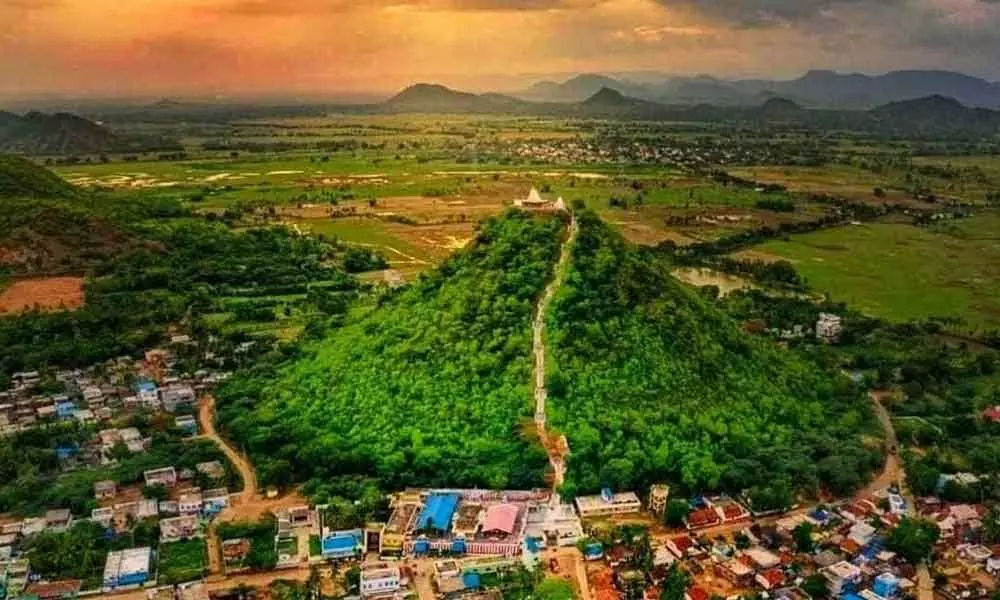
[[181, 561], [902, 272]]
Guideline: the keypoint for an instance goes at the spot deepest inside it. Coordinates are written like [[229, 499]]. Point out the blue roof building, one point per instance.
[[438, 512], [421, 547], [65, 409], [886, 585], [471, 580], [341, 544], [66, 451], [145, 386], [458, 546]]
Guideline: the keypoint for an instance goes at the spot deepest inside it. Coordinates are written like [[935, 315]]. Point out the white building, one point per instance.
[[828, 327], [379, 579], [167, 477], [607, 504], [840, 575], [127, 567]]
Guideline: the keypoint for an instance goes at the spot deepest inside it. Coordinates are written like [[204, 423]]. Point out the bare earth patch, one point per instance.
[[48, 294]]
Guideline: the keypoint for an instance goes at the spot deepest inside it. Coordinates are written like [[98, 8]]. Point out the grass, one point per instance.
[[901, 272], [315, 546], [181, 561]]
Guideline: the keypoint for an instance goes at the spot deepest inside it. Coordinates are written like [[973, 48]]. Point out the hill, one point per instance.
[[19, 177], [652, 383], [430, 388], [817, 89], [434, 98], [60, 133]]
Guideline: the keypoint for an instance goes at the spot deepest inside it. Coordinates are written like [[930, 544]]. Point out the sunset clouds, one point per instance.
[[179, 47]]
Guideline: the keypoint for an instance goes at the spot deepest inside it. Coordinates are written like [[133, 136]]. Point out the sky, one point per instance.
[[180, 48]]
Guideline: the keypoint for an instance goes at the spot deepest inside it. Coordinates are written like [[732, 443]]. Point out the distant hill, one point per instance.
[[19, 177], [434, 98], [60, 133], [612, 103], [580, 88], [935, 114], [817, 89]]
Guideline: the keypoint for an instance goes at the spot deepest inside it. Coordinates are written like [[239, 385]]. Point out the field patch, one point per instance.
[[47, 294], [901, 272]]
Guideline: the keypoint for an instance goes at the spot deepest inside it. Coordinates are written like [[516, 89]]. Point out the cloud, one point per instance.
[[280, 8]]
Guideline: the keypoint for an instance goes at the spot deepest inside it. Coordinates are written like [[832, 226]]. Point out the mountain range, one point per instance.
[[934, 114], [815, 89]]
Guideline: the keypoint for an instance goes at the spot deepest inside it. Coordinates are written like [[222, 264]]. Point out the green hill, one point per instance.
[[20, 177], [430, 388], [59, 133], [651, 383]]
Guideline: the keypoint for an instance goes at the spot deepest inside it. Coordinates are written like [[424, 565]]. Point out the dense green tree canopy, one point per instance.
[[652, 383], [430, 388]]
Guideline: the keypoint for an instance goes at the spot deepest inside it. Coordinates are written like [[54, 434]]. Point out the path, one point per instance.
[[554, 448], [557, 449], [206, 418], [894, 473]]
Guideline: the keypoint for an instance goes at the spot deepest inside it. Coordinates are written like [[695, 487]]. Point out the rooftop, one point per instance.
[[438, 511]]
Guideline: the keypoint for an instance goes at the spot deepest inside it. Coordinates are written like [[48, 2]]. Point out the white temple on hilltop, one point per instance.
[[536, 202]]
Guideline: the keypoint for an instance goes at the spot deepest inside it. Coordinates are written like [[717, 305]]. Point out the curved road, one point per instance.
[[206, 418], [894, 473]]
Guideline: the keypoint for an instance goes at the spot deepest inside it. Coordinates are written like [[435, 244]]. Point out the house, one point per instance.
[[105, 490], [682, 546], [58, 519], [176, 396], [607, 503], [992, 414], [166, 476], [65, 409], [147, 508], [179, 528], [127, 568], [702, 518], [215, 500], [190, 502], [212, 469], [187, 424], [696, 593], [379, 579], [736, 572], [147, 395], [770, 579], [341, 544], [829, 327], [840, 576], [762, 559], [15, 572], [105, 516], [658, 496], [234, 552]]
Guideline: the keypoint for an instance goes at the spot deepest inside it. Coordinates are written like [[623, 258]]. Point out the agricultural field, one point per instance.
[[902, 272]]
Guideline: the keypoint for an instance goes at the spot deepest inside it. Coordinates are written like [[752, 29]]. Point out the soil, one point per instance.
[[48, 294]]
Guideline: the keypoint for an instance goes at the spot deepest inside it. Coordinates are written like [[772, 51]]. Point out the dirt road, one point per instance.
[[552, 447], [206, 418]]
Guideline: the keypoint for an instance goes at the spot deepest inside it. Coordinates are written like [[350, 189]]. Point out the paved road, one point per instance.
[[538, 347]]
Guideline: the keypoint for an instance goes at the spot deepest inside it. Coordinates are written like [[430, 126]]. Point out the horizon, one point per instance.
[[260, 48]]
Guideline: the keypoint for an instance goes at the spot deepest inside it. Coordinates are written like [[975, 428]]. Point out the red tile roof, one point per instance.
[[697, 593], [992, 413], [501, 517], [773, 577], [703, 518], [55, 589]]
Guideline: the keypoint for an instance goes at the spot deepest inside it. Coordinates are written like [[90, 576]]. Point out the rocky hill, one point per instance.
[[38, 133]]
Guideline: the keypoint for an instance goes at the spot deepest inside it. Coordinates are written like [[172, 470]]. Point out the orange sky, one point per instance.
[[185, 47]]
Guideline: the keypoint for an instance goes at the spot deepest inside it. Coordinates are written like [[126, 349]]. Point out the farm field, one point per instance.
[[902, 272]]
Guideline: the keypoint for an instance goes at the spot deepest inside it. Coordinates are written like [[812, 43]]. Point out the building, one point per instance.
[[105, 490], [829, 327], [379, 579], [534, 201], [770, 579], [187, 424], [501, 519], [607, 504], [215, 500], [336, 545], [59, 519], [176, 396], [55, 590], [190, 502], [13, 576], [167, 477], [212, 469], [659, 495], [439, 508], [840, 576], [179, 528], [147, 395], [127, 568]]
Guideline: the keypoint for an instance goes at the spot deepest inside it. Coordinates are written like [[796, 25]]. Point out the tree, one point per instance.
[[677, 511], [155, 492], [991, 525], [803, 537], [674, 584], [913, 539], [815, 586]]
